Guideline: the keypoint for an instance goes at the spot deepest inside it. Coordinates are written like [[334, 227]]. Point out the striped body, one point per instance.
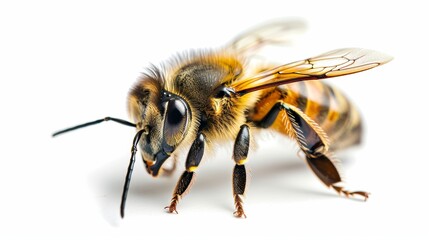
[[324, 104]]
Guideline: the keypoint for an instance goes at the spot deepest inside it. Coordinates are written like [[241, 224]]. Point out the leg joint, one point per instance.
[[271, 116]]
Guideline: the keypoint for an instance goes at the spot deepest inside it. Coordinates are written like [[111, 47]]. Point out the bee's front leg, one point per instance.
[[185, 181], [241, 149]]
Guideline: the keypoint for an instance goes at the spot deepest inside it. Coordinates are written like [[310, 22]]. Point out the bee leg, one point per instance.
[[271, 116], [326, 171], [185, 181], [313, 142], [241, 149]]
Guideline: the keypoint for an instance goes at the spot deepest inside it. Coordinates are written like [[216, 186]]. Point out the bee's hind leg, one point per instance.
[[326, 171], [314, 143]]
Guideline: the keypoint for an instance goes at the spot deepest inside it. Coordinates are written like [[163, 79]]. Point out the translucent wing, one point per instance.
[[331, 64], [273, 33]]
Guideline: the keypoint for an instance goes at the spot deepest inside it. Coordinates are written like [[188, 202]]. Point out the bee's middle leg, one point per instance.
[[185, 181], [241, 149]]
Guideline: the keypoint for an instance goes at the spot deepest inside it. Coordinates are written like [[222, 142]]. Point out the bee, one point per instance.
[[203, 98]]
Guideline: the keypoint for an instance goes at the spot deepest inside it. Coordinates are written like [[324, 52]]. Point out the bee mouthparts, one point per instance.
[[160, 158]]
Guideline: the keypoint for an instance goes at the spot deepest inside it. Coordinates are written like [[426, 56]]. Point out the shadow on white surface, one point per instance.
[[285, 178]]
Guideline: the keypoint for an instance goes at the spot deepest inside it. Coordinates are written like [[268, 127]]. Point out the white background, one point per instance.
[[64, 63]]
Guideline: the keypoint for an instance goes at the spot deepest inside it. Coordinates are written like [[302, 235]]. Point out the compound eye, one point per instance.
[[176, 121], [176, 112]]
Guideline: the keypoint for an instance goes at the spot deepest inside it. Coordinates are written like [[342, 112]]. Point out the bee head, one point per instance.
[[163, 117]]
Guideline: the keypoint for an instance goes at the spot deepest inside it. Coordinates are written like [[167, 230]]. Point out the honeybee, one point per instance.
[[207, 97]]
